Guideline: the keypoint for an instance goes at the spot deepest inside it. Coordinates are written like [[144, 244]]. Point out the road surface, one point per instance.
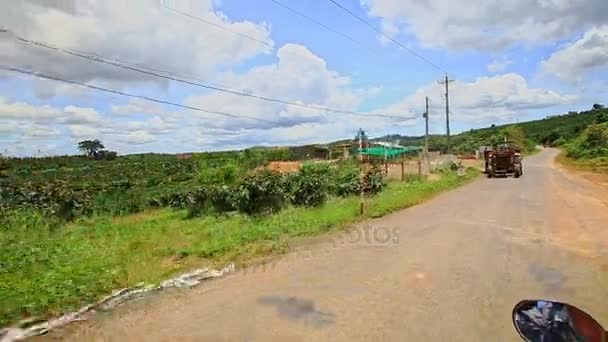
[[449, 269]]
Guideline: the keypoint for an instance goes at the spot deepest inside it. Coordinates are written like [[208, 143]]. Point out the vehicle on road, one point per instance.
[[549, 321], [503, 160]]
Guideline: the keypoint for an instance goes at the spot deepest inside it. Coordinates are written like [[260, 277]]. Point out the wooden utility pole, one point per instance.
[[447, 109], [426, 127], [362, 174], [426, 136]]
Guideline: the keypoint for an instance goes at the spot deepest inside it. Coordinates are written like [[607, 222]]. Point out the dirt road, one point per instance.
[[449, 269]]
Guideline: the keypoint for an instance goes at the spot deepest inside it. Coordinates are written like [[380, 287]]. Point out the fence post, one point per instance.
[[402, 170], [419, 164], [362, 194]]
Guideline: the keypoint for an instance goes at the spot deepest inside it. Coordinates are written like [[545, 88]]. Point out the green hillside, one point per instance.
[[560, 128]]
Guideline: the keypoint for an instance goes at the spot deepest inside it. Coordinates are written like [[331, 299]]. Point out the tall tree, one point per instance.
[[90, 147], [516, 135]]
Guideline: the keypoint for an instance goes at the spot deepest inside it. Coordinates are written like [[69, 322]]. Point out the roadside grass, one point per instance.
[[532, 152], [597, 165], [45, 271]]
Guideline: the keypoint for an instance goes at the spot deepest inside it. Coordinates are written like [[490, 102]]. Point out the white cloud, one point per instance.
[[25, 111], [485, 100], [487, 24], [79, 116], [137, 106], [588, 53], [8, 127], [153, 126], [499, 65], [298, 76], [46, 89], [140, 31], [136, 138], [40, 131], [84, 132]]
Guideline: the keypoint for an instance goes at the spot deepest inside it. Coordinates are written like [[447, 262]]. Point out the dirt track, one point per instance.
[[451, 272]]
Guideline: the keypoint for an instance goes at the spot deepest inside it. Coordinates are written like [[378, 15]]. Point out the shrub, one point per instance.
[[105, 155], [177, 200], [198, 201], [559, 142], [596, 136], [222, 199], [58, 200], [25, 171], [593, 142], [261, 193], [228, 173], [310, 186], [374, 181], [602, 117], [347, 180]]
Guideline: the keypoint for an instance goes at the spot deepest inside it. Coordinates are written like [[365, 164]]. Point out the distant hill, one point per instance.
[[543, 131]]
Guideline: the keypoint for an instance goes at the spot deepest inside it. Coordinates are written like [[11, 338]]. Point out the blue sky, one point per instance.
[[512, 61]]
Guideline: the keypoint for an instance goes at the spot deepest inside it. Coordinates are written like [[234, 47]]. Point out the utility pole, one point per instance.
[[426, 135], [426, 127], [447, 109], [361, 174]]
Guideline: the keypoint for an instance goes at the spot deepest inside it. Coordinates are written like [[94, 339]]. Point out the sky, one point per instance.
[[511, 61]]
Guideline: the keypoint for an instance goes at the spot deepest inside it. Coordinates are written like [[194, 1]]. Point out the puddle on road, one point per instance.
[[302, 310]]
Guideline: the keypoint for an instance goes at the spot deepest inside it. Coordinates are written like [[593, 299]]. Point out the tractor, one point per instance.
[[503, 160]]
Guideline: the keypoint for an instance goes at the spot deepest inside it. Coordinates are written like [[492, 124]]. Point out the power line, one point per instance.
[[323, 25], [149, 68], [55, 78], [385, 35], [101, 59], [216, 25]]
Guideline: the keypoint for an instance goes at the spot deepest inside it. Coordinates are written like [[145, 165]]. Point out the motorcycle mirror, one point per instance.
[[543, 320]]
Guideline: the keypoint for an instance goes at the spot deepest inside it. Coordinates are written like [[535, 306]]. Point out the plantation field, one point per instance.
[[83, 187], [48, 270], [66, 188]]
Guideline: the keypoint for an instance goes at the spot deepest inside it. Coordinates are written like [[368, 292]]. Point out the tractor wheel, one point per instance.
[[491, 173], [518, 172]]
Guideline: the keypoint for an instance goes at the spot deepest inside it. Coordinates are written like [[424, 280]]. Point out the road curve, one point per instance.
[[450, 269]]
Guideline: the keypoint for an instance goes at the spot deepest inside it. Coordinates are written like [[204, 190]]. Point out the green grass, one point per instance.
[[45, 271], [597, 165], [532, 152]]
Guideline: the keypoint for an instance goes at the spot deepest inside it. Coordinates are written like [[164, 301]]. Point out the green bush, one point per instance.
[[261, 193], [602, 117], [310, 186], [374, 181], [198, 201], [347, 180], [176, 200], [559, 142], [222, 199], [592, 143], [25, 171], [227, 173]]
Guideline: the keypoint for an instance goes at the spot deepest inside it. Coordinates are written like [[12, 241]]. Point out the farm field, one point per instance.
[[74, 229]]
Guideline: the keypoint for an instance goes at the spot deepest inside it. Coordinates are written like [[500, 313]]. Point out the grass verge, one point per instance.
[[46, 271], [596, 165], [535, 151]]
